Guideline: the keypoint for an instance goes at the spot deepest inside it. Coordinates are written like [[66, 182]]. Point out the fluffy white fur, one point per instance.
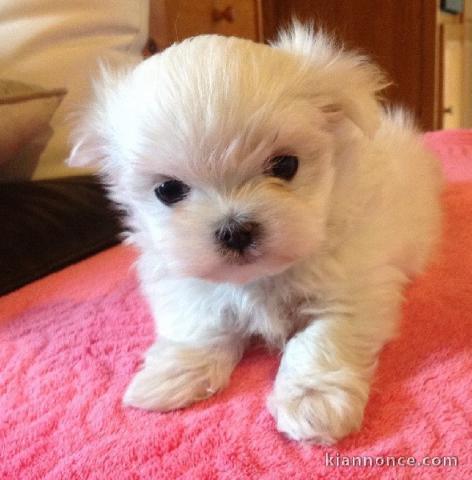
[[341, 239]]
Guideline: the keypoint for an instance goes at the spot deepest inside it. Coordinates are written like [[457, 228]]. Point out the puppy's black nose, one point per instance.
[[235, 235]]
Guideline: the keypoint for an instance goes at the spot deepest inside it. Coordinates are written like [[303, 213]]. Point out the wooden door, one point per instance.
[[400, 35], [452, 51]]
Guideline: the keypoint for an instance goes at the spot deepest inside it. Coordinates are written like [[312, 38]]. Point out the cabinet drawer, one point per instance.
[[175, 20], [239, 18]]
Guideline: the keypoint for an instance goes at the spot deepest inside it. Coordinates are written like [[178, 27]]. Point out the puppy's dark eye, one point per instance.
[[171, 192], [284, 166]]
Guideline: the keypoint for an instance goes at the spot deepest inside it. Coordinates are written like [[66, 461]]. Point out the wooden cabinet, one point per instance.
[[426, 53], [174, 20]]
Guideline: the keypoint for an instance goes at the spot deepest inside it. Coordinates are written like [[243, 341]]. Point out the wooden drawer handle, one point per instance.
[[226, 14], [150, 48]]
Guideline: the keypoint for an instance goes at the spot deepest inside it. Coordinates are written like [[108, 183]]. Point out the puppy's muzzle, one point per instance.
[[237, 236]]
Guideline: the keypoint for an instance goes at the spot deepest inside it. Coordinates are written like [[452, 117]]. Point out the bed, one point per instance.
[[70, 343]]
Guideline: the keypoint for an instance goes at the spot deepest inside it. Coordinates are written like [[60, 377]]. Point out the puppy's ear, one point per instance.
[[346, 84], [92, 126], [87, 147]]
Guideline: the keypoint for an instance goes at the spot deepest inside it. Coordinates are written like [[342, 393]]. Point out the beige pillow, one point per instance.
[[25, 113], [57, 43]]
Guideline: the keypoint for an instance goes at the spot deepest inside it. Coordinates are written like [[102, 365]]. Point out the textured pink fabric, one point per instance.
[[70, 343], [455, 148]]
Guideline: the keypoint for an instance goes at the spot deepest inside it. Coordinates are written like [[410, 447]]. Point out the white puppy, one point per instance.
[[269, 194]]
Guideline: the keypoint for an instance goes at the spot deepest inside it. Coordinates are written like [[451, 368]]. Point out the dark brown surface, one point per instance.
[[47, 225], [398, 34]]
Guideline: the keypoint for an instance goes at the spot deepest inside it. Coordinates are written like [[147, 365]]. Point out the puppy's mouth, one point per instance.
[[240, 258]]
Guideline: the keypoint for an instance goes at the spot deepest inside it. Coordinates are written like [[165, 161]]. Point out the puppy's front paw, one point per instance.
[[174, 377], [318, 414]]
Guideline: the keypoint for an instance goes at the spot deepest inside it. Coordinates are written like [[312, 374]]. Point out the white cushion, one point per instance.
[[57, 43]]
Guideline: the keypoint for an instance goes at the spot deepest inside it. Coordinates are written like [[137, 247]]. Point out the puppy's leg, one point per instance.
[[176, 374], [323, 382]]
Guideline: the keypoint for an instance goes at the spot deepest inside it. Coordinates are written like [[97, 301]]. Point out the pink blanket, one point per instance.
[[69, 344]]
